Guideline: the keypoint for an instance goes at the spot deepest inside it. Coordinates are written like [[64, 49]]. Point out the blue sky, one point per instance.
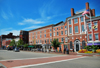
[[16, 15]]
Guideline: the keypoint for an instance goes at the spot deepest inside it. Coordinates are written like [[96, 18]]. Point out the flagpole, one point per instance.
[[91, 26]]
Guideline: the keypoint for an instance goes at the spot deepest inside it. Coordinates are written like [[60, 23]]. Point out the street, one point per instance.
[[24, 59]]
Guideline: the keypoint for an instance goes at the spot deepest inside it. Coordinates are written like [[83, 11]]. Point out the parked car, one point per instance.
[[9, 48], [17, 49]]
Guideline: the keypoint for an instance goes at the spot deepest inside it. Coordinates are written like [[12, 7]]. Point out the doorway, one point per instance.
[[76, 45]]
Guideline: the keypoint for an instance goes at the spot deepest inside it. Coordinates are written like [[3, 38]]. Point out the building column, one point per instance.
[[80, 25], [72, 25], [84, 24], [68, 28]]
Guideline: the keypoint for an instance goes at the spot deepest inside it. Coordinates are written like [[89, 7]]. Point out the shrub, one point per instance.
[[88, 52], [98, 50], [82, 51]]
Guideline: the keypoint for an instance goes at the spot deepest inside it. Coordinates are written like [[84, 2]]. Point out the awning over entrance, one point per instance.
[[94, 44], [30, 46]]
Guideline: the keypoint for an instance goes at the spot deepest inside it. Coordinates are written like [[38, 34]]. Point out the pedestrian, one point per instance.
[[64, 50]]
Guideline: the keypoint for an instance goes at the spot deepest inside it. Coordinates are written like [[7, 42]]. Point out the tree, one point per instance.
[[55, 43], [25, 45], [20, 42], [94, 48], [87, 47], [12, 43]]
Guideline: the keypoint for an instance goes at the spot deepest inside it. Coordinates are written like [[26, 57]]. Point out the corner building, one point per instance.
[[72, 33]]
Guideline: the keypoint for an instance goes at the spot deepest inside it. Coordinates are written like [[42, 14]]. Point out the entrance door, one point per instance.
[[77, 47]]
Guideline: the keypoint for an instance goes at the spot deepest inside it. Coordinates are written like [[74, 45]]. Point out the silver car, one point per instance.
[[17, 49]]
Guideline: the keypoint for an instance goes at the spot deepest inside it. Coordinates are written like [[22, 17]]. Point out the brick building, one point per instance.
[[93, 30], [5, 39], [24, 35], [72, 33]]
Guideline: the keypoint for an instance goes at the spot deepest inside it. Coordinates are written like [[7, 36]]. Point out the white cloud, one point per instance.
[[30, 21], [4, 15], [8, 30], [31, 27]]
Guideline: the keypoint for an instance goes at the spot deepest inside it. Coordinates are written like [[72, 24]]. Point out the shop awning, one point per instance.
[[30, 46], [90, 44]]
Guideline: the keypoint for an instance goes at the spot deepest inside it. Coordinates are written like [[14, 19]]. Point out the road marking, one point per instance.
[[34, 58], [46, 63]]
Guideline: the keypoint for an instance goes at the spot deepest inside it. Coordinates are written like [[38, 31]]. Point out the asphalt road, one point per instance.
[[5, 55], [86, 62]]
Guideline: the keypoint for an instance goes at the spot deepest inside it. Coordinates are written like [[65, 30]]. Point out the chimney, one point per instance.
[[93, 12], [87, 5], [72, 12]]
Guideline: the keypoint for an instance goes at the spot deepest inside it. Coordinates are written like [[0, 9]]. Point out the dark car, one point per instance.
[[9, 48], [17, 49]]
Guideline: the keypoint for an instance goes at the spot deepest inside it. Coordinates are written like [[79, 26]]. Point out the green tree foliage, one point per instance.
[[55, 43], [20, 42], [12, 43], [25, 45], [94, 48], [87, 47]]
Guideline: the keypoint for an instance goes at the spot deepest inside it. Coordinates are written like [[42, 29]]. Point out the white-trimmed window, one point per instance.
[[61, 32], [50, 29], [95, 25], [40, 36], [82, 19], [38, 41], [89, 26], [45, 31], [90, 37], [50, 40], [45, 40], [54, 29], [96, 37], [66, 39], [54, 34], [76, 29], [36, 37], [50, 34], [65, 27], [61, 27], [57, 28], [62, 39], [82, 27], [70, 30], [65, 32], [75, 20], [57, 33], [44, 35], [69, 22]]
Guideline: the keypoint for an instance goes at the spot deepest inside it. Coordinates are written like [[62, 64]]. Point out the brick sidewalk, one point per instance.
[[14, 63]]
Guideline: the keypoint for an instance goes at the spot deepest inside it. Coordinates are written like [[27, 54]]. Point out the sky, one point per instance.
[[16, 15]]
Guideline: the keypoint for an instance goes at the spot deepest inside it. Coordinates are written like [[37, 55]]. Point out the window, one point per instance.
[[89, 26], [36, 32], [50, 30], [82, 26], [38, 41], [90, 37], [45, 31], [95, 26], [57, 33], [66, 40], [45, 35], [65, 27], [76, 29], [61, 27], [50, 34], [96, 37], [69, 22], [40, 36], [58, 39], [65, 32], [33, 33], [54, 29], [61, 32], [57, 28], [81, 19], [75, 20], [62, 39], [50, 40], [70, 30], [71, 46], [45, 41], [33, 37], [36, 37], [40, 31], [54, 34]]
